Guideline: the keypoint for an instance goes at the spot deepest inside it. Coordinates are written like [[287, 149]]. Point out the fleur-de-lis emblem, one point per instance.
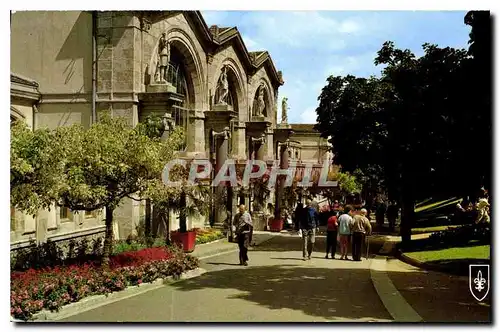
[[479, 281]]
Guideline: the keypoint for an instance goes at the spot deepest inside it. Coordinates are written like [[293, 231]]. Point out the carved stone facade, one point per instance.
[[131, 50]]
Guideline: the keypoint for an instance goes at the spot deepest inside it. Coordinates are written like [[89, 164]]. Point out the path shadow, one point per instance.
[[321, 292], [284, 244], [228, 264]]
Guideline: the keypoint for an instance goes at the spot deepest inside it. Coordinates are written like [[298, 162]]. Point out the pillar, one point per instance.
[[221, 153], [260, 153], [154, 224], [281, 181]]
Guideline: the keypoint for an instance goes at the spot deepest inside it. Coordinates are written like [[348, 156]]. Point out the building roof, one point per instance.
[[23, 80], [214, 37], [23, 87], [222, 35], [309, 127]]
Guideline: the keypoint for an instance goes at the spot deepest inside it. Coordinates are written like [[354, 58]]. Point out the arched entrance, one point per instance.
[[176, 92]]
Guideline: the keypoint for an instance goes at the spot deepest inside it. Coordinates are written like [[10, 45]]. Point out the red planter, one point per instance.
[[186, 241], [276, 225]]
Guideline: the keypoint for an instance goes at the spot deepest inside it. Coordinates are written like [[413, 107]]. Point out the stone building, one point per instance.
[[68, 66]]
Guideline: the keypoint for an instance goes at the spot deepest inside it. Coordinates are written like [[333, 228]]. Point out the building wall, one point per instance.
[[311, 147], [22, 109], [55, 49]]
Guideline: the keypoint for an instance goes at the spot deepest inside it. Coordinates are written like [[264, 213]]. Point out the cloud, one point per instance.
[[302, 29], [251, 44], [214, 16], [309, 46], [357, 65], [349, 27], [308, 115]]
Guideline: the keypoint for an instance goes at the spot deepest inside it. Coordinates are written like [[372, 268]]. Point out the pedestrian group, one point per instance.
[[350, 227]]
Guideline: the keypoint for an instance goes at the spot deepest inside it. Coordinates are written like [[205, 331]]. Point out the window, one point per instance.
[[65, 214]]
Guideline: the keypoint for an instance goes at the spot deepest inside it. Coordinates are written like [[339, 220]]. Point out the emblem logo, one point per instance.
[[479, 281]]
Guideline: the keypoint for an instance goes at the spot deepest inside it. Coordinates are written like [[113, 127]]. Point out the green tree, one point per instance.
[[36, 171], [188, 200], [413, 129], [348, 183], [108, 162]]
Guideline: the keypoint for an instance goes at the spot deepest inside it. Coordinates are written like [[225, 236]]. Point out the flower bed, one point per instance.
[[207, 235], [51, 288]]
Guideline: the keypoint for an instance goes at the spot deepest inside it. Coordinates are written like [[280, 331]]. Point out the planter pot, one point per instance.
[[186, 241], [276, 225]]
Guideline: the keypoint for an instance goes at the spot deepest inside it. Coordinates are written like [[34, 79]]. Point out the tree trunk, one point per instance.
[[166, 219], [407, 216], [147, 220], [182, 215], [108, 238]]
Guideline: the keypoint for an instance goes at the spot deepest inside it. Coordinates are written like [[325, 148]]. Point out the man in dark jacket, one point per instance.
[[244, 230], [308, 225]]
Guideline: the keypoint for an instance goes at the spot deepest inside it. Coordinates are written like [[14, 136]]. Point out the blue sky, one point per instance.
[[309, 46]]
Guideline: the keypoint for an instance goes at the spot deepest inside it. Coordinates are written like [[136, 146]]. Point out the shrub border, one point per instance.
[[95, 301]]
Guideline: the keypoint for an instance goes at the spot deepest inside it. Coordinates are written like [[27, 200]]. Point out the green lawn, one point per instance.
[[474, 252], [422, 230]]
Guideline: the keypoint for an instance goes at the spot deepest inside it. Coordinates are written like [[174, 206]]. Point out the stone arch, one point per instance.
[[268, 98], [183, 44], [235, 78]]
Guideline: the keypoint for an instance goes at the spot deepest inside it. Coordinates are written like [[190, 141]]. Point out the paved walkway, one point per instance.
[[438, 297], [278, 286]]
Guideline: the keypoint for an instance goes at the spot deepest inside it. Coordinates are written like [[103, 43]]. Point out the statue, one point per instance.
[[164, 58], [223, 86], [284, 109], [261, 104]]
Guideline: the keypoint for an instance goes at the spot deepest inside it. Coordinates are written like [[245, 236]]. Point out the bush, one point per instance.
[[463, 235], [50, 288], [137, 244], [52, 254], [207, 235]]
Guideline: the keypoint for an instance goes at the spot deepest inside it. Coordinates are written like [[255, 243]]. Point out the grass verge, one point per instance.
[[456, 253], [423, 230]]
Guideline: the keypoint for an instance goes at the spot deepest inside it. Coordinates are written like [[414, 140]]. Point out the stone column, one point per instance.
[[258, 212], [269, 144], [260, 153], [221, 153], [196, 134], [259, 146], [153, 223], [281, 181], [239, 140]]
